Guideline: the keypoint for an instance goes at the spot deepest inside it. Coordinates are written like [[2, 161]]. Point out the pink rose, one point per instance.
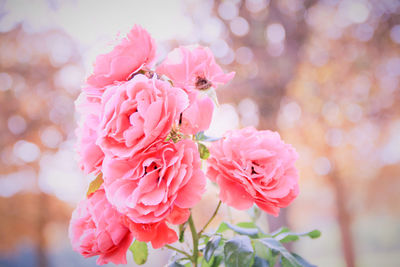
[[96, 228], [137, 114], [90, 154], [178, 215], [253, 166], [159, 234], [193, 68], [94, 92], [148, 186], [197, 117], [136, 51]]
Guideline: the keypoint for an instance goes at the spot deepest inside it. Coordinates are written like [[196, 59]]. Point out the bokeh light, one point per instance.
[[324, 73]]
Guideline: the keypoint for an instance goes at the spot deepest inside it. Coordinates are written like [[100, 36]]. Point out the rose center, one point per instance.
[[253, 170], [152, 167], [202, 83]]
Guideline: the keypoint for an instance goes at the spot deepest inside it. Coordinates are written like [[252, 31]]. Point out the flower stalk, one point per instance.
[[210, 220], [178, 250], [195, 239]]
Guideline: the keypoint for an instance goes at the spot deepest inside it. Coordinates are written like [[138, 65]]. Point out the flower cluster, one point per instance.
[[137, 135]]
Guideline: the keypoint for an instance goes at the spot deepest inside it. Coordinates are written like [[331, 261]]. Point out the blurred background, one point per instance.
[[325, 74]]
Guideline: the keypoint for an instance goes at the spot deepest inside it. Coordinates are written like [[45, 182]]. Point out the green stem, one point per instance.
[[195, 238], [210, 220], [178, 250]]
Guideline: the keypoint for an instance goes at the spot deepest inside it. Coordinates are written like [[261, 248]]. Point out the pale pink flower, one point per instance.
[[136, 51], [193, 68], [137, 114], [90, 154], [96, 228], [148, 186], [253, 166], [197, 117]]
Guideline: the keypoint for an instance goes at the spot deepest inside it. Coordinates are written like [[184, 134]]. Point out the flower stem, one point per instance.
[[178, 250], [210, 220], [195, 238]]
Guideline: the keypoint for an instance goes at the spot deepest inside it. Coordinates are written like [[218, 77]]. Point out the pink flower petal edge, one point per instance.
[[134, 52], [96, 228], [193, 68], [253, 166]]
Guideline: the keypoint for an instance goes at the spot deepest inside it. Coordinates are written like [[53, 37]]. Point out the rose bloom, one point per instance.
[[197, 117], [148, 186], [90, 154], [96, 228], [253, 166], [134, 52], [193, 68], [159, 233], [138, 113]]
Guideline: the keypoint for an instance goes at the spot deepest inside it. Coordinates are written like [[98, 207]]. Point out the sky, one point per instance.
[[88, 20], [96, 24]]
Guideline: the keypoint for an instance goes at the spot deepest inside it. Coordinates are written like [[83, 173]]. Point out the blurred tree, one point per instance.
[[326, 74], [40, 75], [341, 103], [22, 219]]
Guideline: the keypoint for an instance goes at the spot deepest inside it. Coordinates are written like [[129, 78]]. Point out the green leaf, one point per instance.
[[204, 152], [290, 237], [260, 262], [272, 257], [204, 239], [286, 263], [175, 264], [139, 252], [280, 231], [247, 225], [204, 263], [252, 232], [214, 262], [254, 226], [287, 237], [211, 246], [95, 184], [222, 227], [200, 136], [238, 252], [274, 245], [265, 253], [217, 261], [300, 260], [314, 234], [261, 250]]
